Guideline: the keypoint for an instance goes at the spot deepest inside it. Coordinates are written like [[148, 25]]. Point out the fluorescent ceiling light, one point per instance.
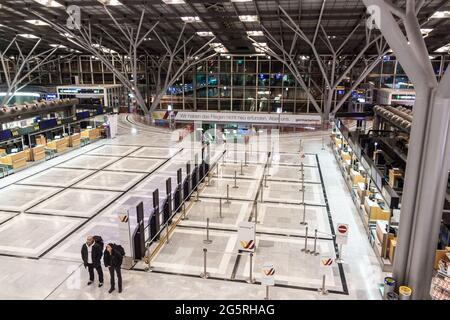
[[205, 33], [66, 35], [191, 19], [248, 18], [173, 1], [260, 44], [241, 0], [21, 94], [57, 46], [104, 49], [443, 49], [440, 15], [255, 33], [37, 22], [49, 3], [218, 47], [28, 36], [426, 31], [110, 2]]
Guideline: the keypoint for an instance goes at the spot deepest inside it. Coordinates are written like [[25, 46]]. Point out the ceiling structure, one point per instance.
[[221, 17]]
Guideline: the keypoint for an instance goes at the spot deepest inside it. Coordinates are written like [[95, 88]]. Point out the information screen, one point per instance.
[[5, 135]]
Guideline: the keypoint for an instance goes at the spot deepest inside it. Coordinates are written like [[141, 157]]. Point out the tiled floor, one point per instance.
[[47, 211]]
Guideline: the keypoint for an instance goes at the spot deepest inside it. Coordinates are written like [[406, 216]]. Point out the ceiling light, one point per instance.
[[28, 36], [37, 22], [205, 33], [191, 19], [174, 1], [440, 15], [110, 2], [445, 48], [255, 33], [331, 37], [49, 3], [218, 47], [57, 46], [241, 0], [66, 35], [248, 18], [426, 31]]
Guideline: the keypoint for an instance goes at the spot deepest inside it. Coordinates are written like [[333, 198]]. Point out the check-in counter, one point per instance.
[[383, 239], [40, 140], [374, 211], [75, 140], [362, 192], [90, 134], [15, 160], [37, 153], [337, 142], [345, 156], [59, 145], [356, 177]]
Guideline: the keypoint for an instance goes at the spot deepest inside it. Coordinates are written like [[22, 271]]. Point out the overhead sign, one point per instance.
[[306, 119], [246, 236], [268, 274], [341, 233]]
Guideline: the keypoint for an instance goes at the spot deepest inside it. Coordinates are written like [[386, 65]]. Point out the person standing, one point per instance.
[[91, 253], [113, 258]]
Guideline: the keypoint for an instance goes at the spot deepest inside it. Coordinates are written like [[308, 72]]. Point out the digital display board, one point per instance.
[[5, 135], [47, 124], [80, 91], [83, 115], [403, 97]]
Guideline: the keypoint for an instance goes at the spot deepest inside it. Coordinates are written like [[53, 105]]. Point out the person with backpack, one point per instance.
[[113, 258], [91, 253]]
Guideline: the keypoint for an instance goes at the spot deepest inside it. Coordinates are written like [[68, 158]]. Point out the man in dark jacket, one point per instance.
[[113, 258], [91, 253]]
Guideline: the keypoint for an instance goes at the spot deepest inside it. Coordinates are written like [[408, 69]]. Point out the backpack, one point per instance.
[[120, 249], [98, 240]]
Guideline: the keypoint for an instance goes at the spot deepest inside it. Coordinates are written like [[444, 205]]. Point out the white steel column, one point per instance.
[[428, 160]]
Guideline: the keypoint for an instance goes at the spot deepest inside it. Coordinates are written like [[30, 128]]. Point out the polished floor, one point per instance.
[[47, 210]]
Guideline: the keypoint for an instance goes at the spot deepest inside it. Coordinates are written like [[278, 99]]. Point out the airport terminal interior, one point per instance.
[[234, 149]]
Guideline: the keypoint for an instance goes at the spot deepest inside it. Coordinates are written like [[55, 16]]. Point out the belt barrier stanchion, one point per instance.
[[339, 259], [323, 147], [315, 252], [207, 240], [246, 158], [207, 178], [235, 180], [242, 169], [220, 208], [265, 181], [267, 293], [197, 199], [255, 204], [262, 192], [228, 195], [304, 206], [323, 290], [183, 217], [167, 232], [204, 274], [251, 280], [305, 249]]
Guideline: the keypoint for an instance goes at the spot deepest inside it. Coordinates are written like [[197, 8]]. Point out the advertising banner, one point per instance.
[[303, 119]]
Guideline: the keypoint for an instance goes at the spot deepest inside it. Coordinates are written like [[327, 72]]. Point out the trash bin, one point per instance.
[[389, 286], [392, 296], [405, 293]]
